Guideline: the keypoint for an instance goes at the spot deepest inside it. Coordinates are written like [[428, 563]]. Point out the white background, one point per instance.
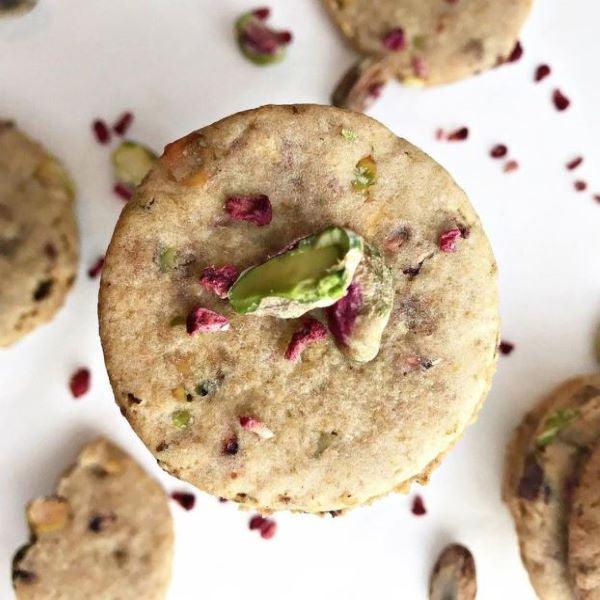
[[174, 63]]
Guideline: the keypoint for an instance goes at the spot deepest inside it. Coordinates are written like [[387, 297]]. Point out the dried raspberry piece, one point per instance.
[[510, 166], [459, 135], [448, 240], [580, 185], [597, 197], [96, 268], [257, 41], [80, 382], [505, 347], [516, 54], [218, 280], [311, 331], [256, 209], [123, 123], [574, 163], [420, 67], [268, 530], [541, 72], [499, 151], [123, 191], [231, 446], [531, 480], [203, 320], [395, 40], [440, 134], [561, 102], [262, 13], [256, 426], [342, 315], [101, 131], [418, 507], [184, 499], [256, 522]]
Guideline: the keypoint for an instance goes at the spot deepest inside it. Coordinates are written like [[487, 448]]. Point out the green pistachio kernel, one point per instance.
[[314, 273], [365, 174], [131, 162], [166, 258], [554, 424], [181, 418], [419, 42], [349, 134], [253, 34]]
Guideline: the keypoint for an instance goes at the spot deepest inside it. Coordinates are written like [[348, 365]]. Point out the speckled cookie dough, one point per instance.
[[433, 41], [543, 462], [13, 8], [38, 235], [584, 530], [275, 413], [106, 533]]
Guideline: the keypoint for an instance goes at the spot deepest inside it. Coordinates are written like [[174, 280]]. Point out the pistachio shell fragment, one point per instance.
[[315, 272], [131, 162], [454, 576], [48, 514], [358, 320]]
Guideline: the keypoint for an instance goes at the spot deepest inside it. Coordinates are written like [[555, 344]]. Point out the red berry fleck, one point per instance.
[[268, 530], [573, 164], [253, 208], [510, 166], [439, 134], [311, 331], [561, 102], [123, 124], [342, 315], [256, 522], [375, 90], [223, 500], [459, 135], [597, 197], [96, 268], [101, 131], [184, 499], [506, 347], [218, 280], [259, 39], [262, 13], [542, 72], [516, 54], [580, 185], [203, 320], [122, 191], [80, 382], [448, 240], [420, 67], [395, 40], [418, 507], [499, 151], [231, 446]]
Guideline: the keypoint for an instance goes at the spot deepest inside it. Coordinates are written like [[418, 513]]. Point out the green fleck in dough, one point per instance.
[[181, 418], [554, 424]]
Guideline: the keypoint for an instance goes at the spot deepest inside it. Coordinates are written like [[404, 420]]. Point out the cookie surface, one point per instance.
[[345, 433], [442, 40], [38, 235], [107, 533], [584, 530], [542, 464]]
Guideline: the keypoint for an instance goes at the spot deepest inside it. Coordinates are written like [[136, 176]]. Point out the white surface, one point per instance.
[[173, 62]]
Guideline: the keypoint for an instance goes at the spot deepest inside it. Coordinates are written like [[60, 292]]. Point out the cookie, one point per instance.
[[267, 411], [10, 8], [584, 530], [107, 533], [38, 235], [433, 42], [542, 465]]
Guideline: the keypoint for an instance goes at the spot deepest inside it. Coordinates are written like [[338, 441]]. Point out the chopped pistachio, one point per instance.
[[315, 272], [177, 321], [181, 418], [166, 258], [49, 514], [554, 424], [419, 41], [179, 393], [349, 134], [131, 162], [365, 174]]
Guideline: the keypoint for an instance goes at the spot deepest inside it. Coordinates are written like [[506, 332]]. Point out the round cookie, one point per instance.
[[10, 8], [584, 530], [38, 235], [542, 465], [439, 41], [107, 533], [340, 433]]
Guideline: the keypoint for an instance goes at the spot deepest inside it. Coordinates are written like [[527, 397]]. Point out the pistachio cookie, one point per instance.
[[38, 235], [542, 467], [584, 530], [298, 310], [107, 533], [432, 41]]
